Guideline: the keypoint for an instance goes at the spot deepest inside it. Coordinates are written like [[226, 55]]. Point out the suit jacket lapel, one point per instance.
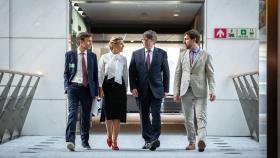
[[155, 56], [187, 56], [89, 64], [143, 57], [75, 55]]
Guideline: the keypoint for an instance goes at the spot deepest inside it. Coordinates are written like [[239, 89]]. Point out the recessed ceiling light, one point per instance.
[[175, 14]]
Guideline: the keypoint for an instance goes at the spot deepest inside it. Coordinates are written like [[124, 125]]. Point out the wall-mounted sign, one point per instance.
[[220, 33], [235, 33]]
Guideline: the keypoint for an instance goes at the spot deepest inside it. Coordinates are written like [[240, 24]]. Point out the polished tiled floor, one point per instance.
[[172, 146]]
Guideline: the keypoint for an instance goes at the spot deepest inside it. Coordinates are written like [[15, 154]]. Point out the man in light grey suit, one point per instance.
[[194, 70]]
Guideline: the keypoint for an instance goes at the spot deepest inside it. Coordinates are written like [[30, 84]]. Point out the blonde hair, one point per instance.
[[113, 41]]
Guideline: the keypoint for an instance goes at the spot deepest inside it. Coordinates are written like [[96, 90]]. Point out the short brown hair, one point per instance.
[[114, 40], [81, 36], [193, 34]]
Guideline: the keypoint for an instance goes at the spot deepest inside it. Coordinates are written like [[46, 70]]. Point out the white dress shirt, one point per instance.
[[113, 66], [78, 78]]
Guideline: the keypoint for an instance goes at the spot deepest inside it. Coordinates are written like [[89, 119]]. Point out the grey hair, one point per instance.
[[113, 41], [150, 34]]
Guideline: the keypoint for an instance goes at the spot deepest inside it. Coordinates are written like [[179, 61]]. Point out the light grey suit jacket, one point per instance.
[[196, 75]]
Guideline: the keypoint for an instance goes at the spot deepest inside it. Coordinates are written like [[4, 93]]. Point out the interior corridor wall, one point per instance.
[[230, 57], [36, 40], [33, 37], [4, 34]]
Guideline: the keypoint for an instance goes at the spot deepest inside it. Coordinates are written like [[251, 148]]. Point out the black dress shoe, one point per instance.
[[146, 146], [154, 145], [86, 146]]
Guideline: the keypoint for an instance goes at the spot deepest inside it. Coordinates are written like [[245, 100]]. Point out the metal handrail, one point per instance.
[[39, 74], [14, 102], [248, 94], [245, 74]]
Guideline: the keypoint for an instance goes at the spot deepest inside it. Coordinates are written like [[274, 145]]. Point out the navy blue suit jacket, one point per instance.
[[71, 58], [157, 77]]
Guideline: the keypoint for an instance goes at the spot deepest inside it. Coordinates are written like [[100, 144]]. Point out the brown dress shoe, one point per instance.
[[190, 147], [201, 146]]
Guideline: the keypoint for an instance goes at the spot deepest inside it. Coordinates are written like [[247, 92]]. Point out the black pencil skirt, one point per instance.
[[114, 101]]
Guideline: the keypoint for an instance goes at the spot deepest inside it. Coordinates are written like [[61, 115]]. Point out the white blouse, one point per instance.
[[113, 66]]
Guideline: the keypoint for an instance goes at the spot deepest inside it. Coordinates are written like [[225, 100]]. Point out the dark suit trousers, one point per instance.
[[78, 94], [150, 104]]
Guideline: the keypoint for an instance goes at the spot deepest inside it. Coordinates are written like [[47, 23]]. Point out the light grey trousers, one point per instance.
[[189, 103]]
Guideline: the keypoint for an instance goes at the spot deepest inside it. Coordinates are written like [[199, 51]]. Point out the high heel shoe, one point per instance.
[[115, 146], [109, 142]]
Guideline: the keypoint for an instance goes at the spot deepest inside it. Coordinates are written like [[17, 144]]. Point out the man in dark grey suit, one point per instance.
[[149, 83]]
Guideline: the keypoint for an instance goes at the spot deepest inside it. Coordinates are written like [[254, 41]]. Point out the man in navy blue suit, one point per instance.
[[149, 83], [81, 85]]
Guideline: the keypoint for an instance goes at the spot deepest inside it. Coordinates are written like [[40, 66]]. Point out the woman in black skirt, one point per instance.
[[113, 84]]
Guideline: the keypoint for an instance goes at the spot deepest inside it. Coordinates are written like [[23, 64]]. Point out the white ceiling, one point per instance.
[[141, 12], [131, 14]]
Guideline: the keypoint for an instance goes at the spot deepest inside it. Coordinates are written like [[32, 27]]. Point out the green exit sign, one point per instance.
[[245, 33]]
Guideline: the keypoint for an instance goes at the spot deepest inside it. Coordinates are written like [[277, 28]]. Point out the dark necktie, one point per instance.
[[84, 70], [148, 59]]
